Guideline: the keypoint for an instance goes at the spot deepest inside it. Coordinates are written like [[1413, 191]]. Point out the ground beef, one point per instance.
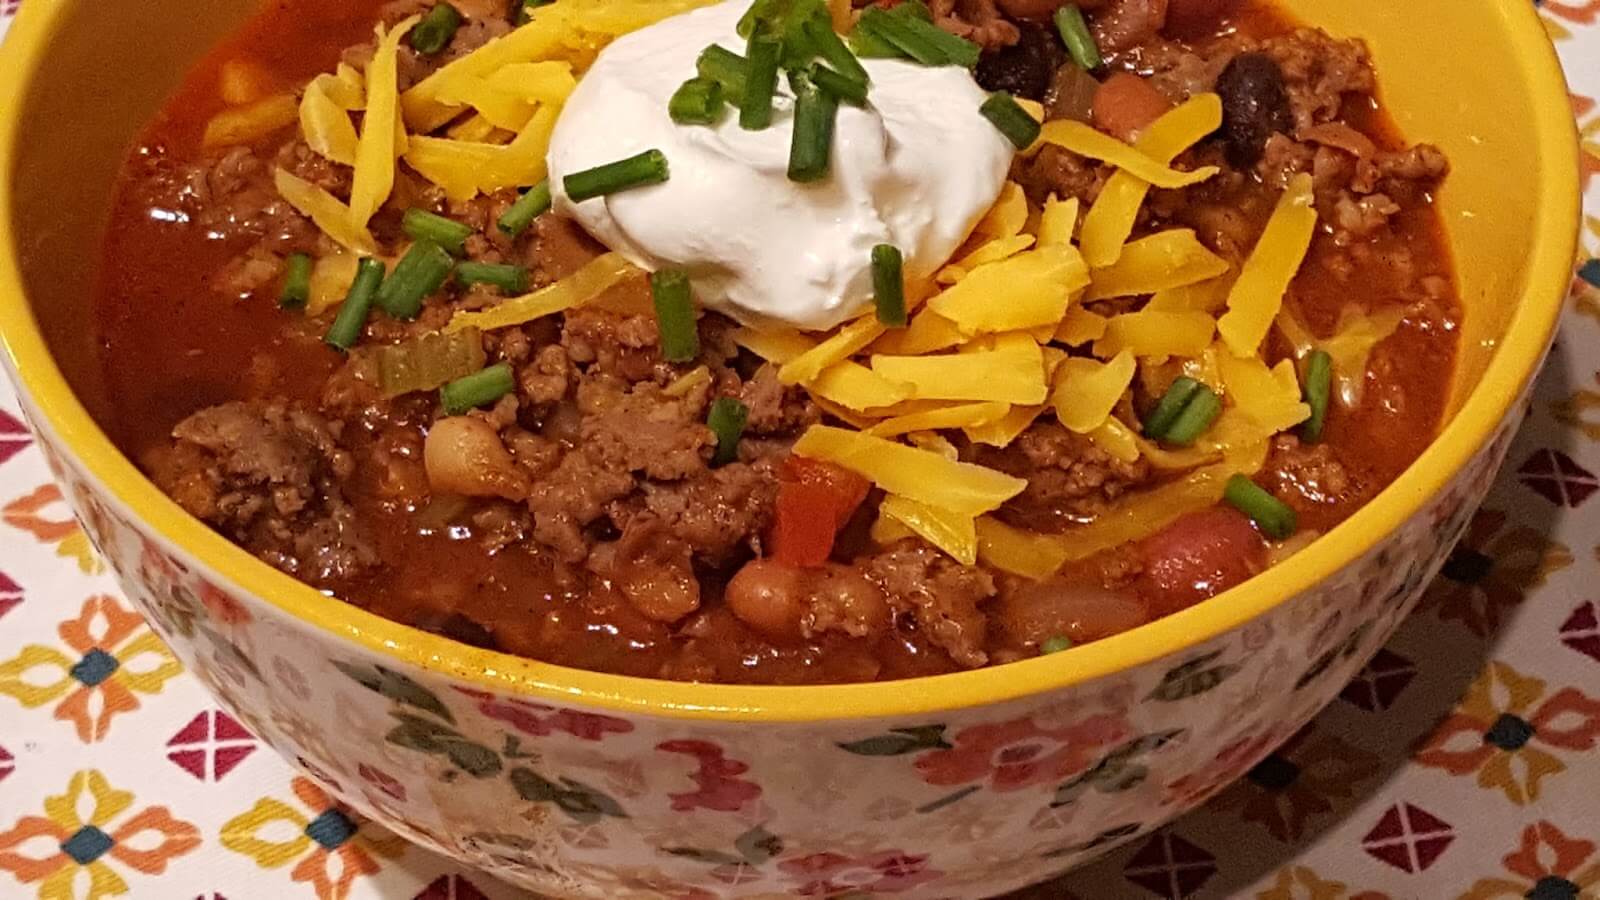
[[1311, 472], [613, 344], [1068, 476], [1320, 71], [941, 596], [776, 408], [299, 160], [1056, 170], [978, 21], [270, 476], [718, 512], [571, 497], [1125, 24], [642, 430]]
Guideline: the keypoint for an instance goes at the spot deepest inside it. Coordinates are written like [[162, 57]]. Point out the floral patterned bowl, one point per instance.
[[581, 784]]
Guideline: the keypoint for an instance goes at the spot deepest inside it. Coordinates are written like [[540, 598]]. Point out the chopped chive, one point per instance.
[[839, 87], [649, 167], [914, 8], [812, 140], [1055, 644], [726, 421], [828, 45], [1317, 390], [888, 285], [422, 225], [922, 41], [726, 68], [680, 339], [352, 318], [697, 101], [866, 44], [761, 82], [508, 278], [296, 281], [481, 388], [1075, 34], [525, 12], [1275, 518], [1198, 414], [419, 273], [436, 29], [763, 15], [1011, 119], [1171, 405], [528, 207]]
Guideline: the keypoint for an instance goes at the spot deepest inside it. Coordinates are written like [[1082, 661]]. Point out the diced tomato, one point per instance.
[[815, 500], [1199, 556], [1125, 104]]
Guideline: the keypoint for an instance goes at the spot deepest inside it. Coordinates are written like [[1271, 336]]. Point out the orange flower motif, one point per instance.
[[1508, 732], [145, 842], [1302, 780], [1013, 755], [1491, 570], [1547, 864], [115, 657], [329, 847], [32, 514]]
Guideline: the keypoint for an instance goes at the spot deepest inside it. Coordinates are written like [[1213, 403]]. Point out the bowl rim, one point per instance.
[[1514, 364]]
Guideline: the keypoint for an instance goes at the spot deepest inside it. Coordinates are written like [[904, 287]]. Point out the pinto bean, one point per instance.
[[464, 455]]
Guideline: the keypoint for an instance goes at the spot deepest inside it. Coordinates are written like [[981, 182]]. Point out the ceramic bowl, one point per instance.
[[588, 785]]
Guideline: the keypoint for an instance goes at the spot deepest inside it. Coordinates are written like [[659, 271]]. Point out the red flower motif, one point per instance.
[[720, 788], [223, 606], [383, 781], [526, 717], [1229, 766], [831, 874], [1016, 754]]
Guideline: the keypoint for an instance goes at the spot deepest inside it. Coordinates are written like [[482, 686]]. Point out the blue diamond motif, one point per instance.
[[88, 845], [95, 667], [331, 829]]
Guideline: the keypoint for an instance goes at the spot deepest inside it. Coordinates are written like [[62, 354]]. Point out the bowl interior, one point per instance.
[[81, 90]]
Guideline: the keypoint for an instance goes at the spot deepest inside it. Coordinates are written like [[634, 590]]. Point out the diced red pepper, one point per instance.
[[815, 500]]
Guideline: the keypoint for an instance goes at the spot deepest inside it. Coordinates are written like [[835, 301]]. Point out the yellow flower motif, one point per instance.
[[1546, 863], [28, 513], [332, 847], [114, 658], [1300, 883], [84, 843]]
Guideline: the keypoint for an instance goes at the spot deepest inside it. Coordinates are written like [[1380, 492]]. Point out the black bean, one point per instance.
[[1255, 105], [1025, 68]]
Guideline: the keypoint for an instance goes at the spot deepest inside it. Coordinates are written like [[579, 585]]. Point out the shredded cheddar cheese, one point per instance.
[[950, 531], [1028, 290], [325, 211], [909, 472], [1164, 260], [597, 276], [1083, 140], [1257, 295]]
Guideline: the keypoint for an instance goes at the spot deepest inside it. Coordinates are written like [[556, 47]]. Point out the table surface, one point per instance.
[[1463, 762]]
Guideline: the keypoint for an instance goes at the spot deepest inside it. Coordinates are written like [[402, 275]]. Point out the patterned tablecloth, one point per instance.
[[1463, 762]]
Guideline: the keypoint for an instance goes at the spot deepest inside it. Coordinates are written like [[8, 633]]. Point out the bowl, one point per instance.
[[581, 784]]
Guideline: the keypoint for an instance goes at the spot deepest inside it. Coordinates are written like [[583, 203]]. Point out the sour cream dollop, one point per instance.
[[916, 168]]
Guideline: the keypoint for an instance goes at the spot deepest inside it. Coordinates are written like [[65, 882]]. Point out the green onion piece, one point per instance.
[[828, 45], [888, 285], [680, 338], [866, 44], [352, 318], [436, 29], [761, 82], [1274, 517], [1198, 414], [922, 41], [812, 141], [1171, 405], [763, 15], [726, 68], [697, 101], [422, 225], [508, 278], [419, 273], [1011, 119], [1075, 34], [481, 388], [528, 207], [425, 362], [296, 281], [1317, 390], [914, 8], [528, 6], [726, 421], [839, 87], [1055, 644], [649, 167]]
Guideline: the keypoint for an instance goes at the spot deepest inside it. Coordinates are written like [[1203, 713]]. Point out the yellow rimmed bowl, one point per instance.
[[588, 785]]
